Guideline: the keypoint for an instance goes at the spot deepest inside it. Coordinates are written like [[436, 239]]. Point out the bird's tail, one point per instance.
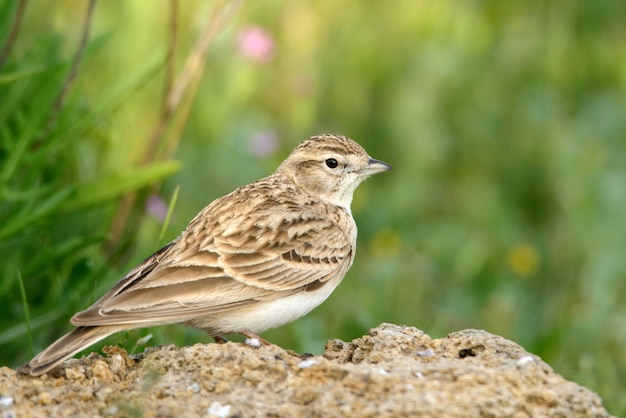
[[67, 346]]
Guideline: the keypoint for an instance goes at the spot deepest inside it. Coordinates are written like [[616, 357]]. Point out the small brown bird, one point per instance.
[[257, 258]]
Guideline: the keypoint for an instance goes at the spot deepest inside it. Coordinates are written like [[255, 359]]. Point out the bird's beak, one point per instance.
[[376, 166]]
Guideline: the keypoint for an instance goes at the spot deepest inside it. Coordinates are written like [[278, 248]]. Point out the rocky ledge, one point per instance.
[[394, 371]]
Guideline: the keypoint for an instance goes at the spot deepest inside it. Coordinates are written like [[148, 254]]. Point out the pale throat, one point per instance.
[[343, 201], [343, 196]]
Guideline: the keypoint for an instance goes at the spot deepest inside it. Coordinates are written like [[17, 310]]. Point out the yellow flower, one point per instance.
[[386, 243], [523, 259]]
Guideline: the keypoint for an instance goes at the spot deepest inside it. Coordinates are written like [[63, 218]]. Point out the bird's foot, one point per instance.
[[254, 340], [219, 339]]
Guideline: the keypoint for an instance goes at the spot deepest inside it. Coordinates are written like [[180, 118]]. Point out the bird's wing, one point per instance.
[[219, 265]]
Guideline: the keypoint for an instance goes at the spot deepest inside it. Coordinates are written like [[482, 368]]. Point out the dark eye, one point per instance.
[[332, 163]]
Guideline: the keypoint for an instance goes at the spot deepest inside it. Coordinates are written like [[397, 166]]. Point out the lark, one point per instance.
[[258, 258]]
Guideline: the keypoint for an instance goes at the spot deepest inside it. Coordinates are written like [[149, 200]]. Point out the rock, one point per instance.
[[393, 371]]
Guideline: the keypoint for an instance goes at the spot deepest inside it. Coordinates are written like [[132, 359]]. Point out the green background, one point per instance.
[[504, 122]]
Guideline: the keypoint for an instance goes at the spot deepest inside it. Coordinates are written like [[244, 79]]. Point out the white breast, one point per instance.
[[274, 313], [265, 315]]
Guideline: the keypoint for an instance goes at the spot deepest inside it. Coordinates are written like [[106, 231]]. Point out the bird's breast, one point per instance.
[[267, 314]]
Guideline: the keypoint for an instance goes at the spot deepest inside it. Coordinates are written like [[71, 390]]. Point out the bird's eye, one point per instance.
[[331, 163]]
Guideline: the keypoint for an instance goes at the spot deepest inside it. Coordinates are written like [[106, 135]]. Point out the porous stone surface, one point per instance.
[[394, 371]]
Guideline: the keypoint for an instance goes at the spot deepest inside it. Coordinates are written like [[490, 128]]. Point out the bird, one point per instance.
[[257, 258]]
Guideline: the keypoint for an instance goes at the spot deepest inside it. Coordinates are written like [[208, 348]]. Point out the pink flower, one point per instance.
[[263, 143], [157, 207], [256, 44]]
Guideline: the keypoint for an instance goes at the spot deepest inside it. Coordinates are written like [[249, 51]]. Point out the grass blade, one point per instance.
[[168, 217], [29, 332], [110, 187]]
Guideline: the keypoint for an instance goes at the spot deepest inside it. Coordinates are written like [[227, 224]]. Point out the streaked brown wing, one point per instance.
[[231, 270], [302, 250]]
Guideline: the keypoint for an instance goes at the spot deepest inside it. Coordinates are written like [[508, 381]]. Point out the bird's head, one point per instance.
[[330, 167]]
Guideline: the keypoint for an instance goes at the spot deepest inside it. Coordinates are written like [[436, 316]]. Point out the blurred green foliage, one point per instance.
[[504, 123]]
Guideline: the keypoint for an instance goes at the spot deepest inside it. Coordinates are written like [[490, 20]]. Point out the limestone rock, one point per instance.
[[394, 371]]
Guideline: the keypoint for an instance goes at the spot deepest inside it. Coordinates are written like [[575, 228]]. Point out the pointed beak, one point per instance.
[[376, 166]]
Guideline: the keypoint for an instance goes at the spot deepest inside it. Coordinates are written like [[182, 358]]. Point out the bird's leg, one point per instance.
[[254, 340], [219, 339]]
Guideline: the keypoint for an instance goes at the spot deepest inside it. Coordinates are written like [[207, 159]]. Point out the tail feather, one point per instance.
[[67, 346]]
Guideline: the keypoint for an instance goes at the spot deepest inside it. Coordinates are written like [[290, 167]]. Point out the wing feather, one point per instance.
[[234, 267]]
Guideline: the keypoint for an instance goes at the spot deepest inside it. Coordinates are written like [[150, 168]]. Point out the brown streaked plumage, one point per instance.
[[257, 258]]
